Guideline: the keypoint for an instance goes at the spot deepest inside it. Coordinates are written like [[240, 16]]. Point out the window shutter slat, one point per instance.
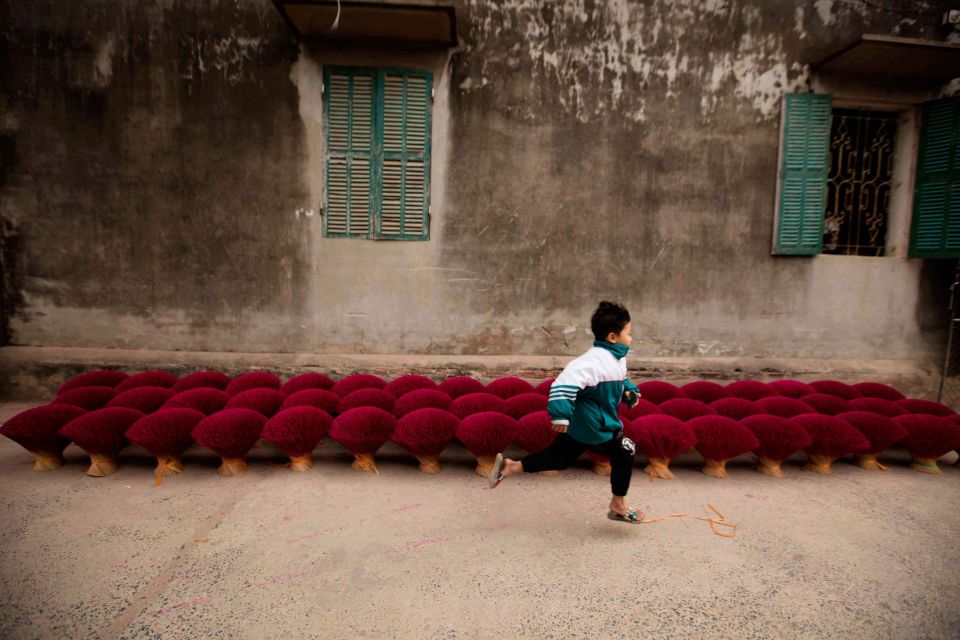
[[349, 112], [392, 204], [804, 169], [406, 155], [935, 229], [414, 198]]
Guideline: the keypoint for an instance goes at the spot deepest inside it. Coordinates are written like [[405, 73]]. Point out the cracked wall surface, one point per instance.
[[163, 166]]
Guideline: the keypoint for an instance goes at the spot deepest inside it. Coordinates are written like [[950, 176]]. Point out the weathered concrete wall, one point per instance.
[[163, 162]]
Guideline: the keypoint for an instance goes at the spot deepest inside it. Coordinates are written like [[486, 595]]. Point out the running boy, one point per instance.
[[583, 406]]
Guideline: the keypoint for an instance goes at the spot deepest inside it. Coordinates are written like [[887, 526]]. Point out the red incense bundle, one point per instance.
[[509, 386], [888, 408], [720, 439], [38, 431], [421, 399], [297, 432], [642, 408], [398, 387], [253, 380], [358, 381], [658, 391], [827, 404], [686, 409], [98, 378], [307, 381], [89, 398], [925, 407], [206, 400], [535, 433], [832, 438], [230, 434], [545, 386], [101, 434], [477, 403], [424, 433], [366, 398], [201, 380], [460, 386], [362, 431], [525, 403], [736, 408], [263, 400], [878, 390], [750, 389], [143, 399], [880, 431], [778, 439], [147, 379], [835, 388], [791, 388], [165, 434], [319, 398], [661, 438], [928, 437], [704, 391], [486, 434], [784, 406]]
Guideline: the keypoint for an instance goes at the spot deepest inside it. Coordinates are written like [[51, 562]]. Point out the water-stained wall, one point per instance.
[[162, 163]]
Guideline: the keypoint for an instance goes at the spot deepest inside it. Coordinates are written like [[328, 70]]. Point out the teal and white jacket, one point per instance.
[[587, 394]]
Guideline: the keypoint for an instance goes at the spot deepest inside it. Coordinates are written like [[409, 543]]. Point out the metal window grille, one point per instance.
[[859, 182]]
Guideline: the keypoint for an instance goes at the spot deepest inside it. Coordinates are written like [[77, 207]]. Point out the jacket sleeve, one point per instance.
[[628, 388], [577, 376]]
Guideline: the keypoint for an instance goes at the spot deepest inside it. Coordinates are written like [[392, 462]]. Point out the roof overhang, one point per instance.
[[911, 60], [416, 23]]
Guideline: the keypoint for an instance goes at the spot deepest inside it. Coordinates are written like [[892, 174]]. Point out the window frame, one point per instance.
[[900, 213], [377, 154]]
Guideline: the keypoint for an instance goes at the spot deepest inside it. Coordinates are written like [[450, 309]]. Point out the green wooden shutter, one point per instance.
[[350, 151], [935, 229], [804, 167], [405, 168]]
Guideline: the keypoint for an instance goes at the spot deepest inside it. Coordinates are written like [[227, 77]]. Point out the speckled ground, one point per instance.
[[333, 553]]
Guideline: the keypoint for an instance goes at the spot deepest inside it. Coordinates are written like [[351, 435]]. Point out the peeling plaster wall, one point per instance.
[[163, 163]]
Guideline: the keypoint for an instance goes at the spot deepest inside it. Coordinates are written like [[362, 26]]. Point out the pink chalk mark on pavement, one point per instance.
[[411, 546], [407, 507], [183, 605]]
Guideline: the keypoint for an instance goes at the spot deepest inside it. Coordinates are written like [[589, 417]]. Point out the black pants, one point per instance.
[[565, 450]]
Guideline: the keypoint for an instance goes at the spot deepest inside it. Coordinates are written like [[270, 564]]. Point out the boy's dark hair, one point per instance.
[[609, 317]]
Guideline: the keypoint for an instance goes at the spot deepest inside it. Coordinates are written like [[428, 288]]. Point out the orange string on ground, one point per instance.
[[719, 521]]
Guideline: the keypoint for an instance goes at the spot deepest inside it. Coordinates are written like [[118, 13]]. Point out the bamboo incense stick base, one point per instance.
[[659, 468], [47, 461], [925, 465], [166, 466], [364, 462], [819, 464], [769, 467], [484, 465], [301, 463], [715, 468], [869, 461], [102, 465], [233, 467], [602, 468], [429, 464]]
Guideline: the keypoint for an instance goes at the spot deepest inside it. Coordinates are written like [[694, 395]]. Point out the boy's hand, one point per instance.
[[559, 427], [632, 398]]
